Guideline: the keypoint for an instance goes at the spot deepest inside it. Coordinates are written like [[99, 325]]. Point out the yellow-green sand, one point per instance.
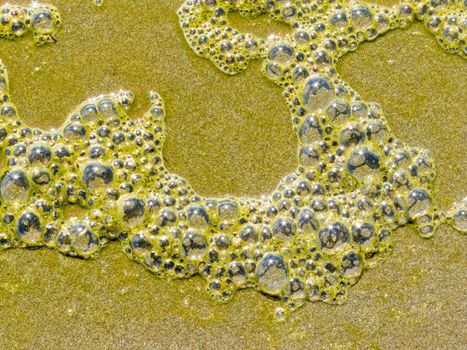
[[373, 319]]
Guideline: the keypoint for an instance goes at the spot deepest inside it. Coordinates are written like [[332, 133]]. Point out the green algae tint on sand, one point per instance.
[[311, 238]]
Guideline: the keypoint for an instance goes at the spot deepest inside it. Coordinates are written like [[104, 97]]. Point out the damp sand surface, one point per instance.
[[232, 135]]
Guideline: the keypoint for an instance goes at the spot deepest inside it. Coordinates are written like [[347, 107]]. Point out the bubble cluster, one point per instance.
[[446, 19], [42, 20], [309, 240]]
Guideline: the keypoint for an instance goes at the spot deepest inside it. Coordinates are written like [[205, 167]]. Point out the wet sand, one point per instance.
[[226, 139]]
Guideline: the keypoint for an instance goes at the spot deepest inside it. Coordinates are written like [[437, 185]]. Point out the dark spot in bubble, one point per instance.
[[39, 154], [309, 156], [318, 205], [284, 228], [248, 234], [307, 221], [17, 27], [96, 152], [3, 134], [198, 216], [8, 218], [265, 234], [15, 186], [311, 130], [333, 236], [363, 233], [419, 202], [88, 113], [223, 242], [118, 138], [167, 217], [103, 131], [42, 22], [153, 261], [107, 109], [62, 152], [363, 156], [133, 208], [281, 53], [96, 175], [228, 210], [339, 19], [272, 274], [29, 226], [74, 131], [302, 37], [8, 110], [351, 264], [19, 150], [41, 177], [237, 272], [330, 267], [194, 245], [83, 239], [140, 243], [361, 17], [317, 93], [300, 73]]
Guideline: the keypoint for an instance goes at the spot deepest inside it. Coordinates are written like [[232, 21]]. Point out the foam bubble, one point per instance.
[[311, 238], [42, 20]]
